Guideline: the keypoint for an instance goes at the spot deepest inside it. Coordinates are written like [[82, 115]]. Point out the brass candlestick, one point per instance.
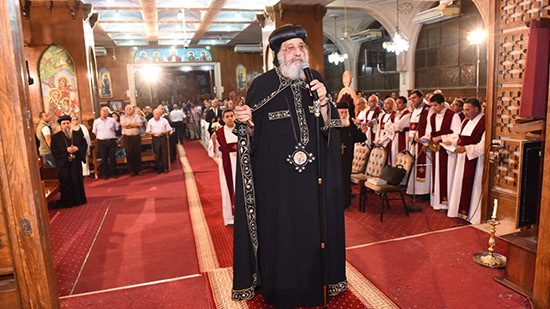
[[491, 259]]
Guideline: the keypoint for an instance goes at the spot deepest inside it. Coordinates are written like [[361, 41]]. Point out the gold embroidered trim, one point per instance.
[[335, 289], [278, 115]]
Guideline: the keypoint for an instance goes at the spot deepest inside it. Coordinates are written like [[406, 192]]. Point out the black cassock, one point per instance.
[[71, 183], [349, 136], [277, 230]]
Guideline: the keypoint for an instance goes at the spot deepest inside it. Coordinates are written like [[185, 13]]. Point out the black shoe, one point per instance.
[[139, 174], [105, 177], [115, 176], [165, 171]]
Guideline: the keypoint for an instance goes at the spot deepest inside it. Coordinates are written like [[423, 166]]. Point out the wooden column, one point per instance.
[[311, 18], [22, 198]]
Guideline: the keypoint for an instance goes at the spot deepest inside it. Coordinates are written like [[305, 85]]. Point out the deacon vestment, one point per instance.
[[224, 147], [371, 116], [382, 136], [69, 168], [349, 136], [277, 241], [447, 125], [398, 131], [465, 199], [420, 176]]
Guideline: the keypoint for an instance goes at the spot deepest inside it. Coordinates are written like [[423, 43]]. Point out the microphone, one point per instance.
[[309, 78]]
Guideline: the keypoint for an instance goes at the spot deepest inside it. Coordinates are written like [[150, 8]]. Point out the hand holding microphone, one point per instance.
[[317, 89]]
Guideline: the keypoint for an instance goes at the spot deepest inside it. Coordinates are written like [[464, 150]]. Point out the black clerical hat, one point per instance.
[[285, 33], [342, 104], [64, 117]]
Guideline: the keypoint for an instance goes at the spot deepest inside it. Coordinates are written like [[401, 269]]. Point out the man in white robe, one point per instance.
[[443, 125], [223, 146], [465, 198], [398, 129], [371, 119], [419, 183], [382, 136]]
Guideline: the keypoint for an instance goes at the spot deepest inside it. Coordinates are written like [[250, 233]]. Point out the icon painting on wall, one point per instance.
[[58, 83], [172, 55], [241, 77], [105, 88]]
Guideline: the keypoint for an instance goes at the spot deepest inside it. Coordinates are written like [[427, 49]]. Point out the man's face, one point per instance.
[[229, 119], [293, 51], [400, 104], [45, 117], [230, 104], [416, 100], [129, 110], [65, 125], [373, 101], [456, 106], [147, 109], [104, 113], [156, 114], [344, 113], [388, 105], [214, 103], [470, 111], [437, 107], [394, 95]]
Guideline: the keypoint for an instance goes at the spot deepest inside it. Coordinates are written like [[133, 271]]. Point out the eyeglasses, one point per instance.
[[292, 48]]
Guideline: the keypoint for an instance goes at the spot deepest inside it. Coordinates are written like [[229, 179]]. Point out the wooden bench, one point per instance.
[[50, 182]]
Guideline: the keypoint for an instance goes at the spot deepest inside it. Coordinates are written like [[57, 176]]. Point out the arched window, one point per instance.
[[444, 58], [372, 53]]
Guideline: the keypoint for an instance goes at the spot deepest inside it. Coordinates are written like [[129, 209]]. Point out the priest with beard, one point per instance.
[[349, 135], [69, 150], [277, 237]]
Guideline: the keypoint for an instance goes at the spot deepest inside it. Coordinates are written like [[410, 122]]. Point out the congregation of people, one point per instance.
[[446, 140]]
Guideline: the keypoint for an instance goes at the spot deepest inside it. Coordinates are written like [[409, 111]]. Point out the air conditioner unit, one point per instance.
[[100, 51], [436, 14], [366, 35], [248, 49]]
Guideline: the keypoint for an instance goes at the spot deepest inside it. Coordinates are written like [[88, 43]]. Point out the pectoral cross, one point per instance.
[[343, 147]]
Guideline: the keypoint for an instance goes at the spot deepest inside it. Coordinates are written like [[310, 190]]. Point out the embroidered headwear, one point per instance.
[[282, 34], [62, 118], [342, 105]]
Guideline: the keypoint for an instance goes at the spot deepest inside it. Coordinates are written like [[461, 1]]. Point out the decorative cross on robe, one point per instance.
[[343, 147]]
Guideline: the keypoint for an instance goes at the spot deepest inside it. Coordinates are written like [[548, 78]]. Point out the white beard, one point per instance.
[[345, 122], [68, 133], [290, 71]]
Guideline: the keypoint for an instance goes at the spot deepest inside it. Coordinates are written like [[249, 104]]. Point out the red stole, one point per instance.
[[461, 115], [382, 125], [226, 149], [402, 143], [375, 112], [420, 128], [469, 165], [443, 156]]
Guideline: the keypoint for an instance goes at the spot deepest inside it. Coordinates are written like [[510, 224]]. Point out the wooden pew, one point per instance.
[[50, 182]]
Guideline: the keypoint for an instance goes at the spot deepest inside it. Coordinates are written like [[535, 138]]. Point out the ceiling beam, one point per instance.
[[149, 10], [208, 19]]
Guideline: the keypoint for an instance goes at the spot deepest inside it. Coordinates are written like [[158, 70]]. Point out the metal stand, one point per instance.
[[413, 207], [491, 259]]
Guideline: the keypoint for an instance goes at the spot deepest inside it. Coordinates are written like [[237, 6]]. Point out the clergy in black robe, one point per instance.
[[277, 242], [349, 135], [69, 150]]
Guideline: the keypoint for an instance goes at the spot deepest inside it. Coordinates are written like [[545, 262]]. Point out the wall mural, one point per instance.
[[172, 55], [105, 84], [241, 77], [58, 82]]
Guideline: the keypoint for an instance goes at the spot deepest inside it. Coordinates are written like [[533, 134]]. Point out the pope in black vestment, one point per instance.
[[349, 135], [69, 167], [277, 249]]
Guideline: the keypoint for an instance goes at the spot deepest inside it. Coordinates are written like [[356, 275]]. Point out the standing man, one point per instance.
[[159, 128], [465, 199], [214, 115], [131, 126], [371, 118], [443, 125], [224, 147], [417, 128], [399, 128], [44, 135], [382, 135], [277, 186], [457, 108], [349, 135], [194, 123], [69, 150], [177, 116], [105, 129]]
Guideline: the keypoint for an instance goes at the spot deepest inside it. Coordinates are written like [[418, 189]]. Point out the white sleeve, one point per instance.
[[476, 150], [46, 131], [213, 148], [428, 133], [403, 123]]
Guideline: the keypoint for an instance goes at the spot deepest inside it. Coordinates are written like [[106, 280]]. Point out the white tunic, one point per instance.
[[214, 152], [419, 186], [86, 166], [451, 159], [374, 122], [472, 152], [399, 124], [381, 136]]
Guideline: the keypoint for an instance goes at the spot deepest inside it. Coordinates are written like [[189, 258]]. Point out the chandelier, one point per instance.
[[399, 42], [335, 57]]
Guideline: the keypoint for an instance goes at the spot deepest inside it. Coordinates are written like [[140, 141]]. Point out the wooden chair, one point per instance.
[[405, 159], [378, 156], [360, 156]]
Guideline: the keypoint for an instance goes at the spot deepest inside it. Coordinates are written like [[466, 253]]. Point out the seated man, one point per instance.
[[69, 150]]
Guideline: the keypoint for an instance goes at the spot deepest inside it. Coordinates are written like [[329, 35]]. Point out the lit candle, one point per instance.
[[495, 206]]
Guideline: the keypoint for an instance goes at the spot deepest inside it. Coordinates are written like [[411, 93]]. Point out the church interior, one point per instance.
[[160, 240]]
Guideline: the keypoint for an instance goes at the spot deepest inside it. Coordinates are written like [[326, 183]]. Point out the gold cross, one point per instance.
[[343, 147]]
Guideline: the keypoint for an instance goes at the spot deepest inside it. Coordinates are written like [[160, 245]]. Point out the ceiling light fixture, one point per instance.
[[335, 57], [208, 47], [399, 43], [180, 14], [238, 15], [117, 14], [345, 36]]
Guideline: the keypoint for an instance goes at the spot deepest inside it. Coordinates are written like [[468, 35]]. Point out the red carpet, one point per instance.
[[174, 294], [341, 301], [205, 170], [365, 227], [146, 235], [436, 271]]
